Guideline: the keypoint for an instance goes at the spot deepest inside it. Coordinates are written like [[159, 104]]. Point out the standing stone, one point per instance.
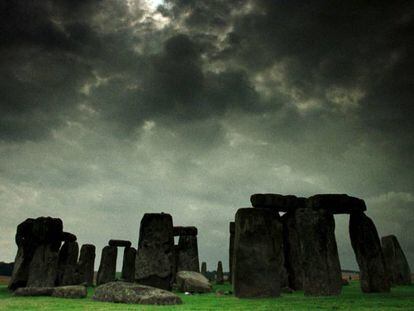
[[204, 268], [368, 252], [292, 251], [38, 240], [321, 268], [219, 273], [399, 272], [187, 257], [128, 264], [258, 254], [154, 265], [86, 264], [107, 268], [231, 247], [67, 264]]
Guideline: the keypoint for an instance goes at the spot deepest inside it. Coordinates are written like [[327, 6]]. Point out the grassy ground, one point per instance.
[[401, 298]]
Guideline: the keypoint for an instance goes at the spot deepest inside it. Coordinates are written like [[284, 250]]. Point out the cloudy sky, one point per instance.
[[111, 109]]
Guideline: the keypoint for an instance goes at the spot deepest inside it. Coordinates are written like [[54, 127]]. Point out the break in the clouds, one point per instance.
[[110, 109]]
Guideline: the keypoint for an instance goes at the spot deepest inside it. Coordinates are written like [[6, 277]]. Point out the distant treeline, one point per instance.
[[6, 268]]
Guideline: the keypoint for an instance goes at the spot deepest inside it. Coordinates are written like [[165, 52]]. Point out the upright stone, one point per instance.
[[67, 264], [204, 268], [219, 273], [367, 247], [107, 268], [258, 254], [292, 251], [154, 265], [86, 264], [187, 259], [399, 272], [231, 247], [128, 264], [321, 268]]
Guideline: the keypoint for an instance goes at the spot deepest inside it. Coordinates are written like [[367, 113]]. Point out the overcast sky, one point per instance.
[[111, 109]]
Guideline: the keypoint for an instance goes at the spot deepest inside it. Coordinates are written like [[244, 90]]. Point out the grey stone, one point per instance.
[[86, 264], [34, 291], [321, 268], [187, 256], [399, 272], [67, 264], [278, 202], [292, 251], [40, 237], [231, 247], [368, 252], [107, 268], [337, 203], [119, 243], [179, 230], [132, 293], [193, 282], [204, 268], [128, 264], [219, 273], [258, 254], [154, 265], [71, 291]]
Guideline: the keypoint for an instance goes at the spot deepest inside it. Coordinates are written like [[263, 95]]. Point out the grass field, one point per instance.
[[401, 298]]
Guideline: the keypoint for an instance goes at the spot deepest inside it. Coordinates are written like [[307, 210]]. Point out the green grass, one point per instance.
[[401, 298]]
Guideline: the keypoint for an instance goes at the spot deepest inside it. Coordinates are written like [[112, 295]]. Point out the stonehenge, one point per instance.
[[68, 264], [187, 249], [86, 264], [128, 264], [398, 270], [258, 253], [154, 264], [107, 267], [368, 252], [219, 273]]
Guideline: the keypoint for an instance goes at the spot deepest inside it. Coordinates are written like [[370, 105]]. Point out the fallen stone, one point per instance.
[[178, 231], [399, 272], [133, 293], [34, 291], [368, 252], [86, 264], [154, 265], [71, 291], [337, 203], [193, 282], [119, 243], [258, 254], [278, 202], [320, 261], [107, 268], [128, 264]]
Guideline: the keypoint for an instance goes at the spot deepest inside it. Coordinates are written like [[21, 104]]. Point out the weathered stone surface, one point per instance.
[[399, 272], [321, 267], [219, 273], [278, 202], [128, 264], [74, 291], [187, 256], [67, 264], [204, 268], [41, 236], [107, 268], [124, 292], [258, 254], [231, 247], [292, 251], [86, 264], [154, 265], [119, 243], [68, 237], [71, 291], [366, 244], [337, 203], [34, 291], [193, 282], [179, 230]]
